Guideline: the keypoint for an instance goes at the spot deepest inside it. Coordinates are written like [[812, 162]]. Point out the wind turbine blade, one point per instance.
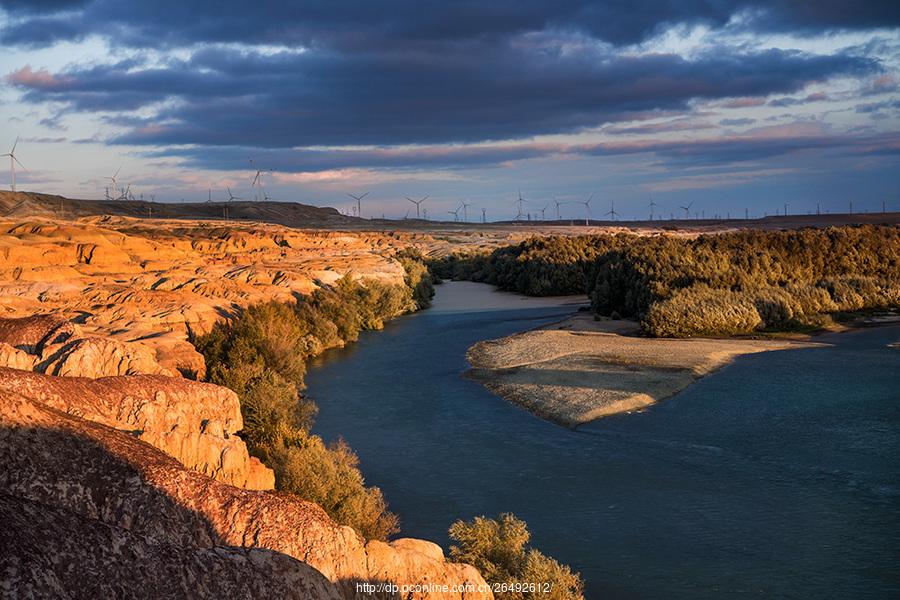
[[364, 195], [20, 163], [16, 143], [117, 173]]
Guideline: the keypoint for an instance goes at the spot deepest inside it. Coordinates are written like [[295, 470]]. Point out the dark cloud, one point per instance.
[[755, 145], [476, 92], [762, 144], [737, 122], [369, 22], [311, 161], [786, 102], [872, 107]]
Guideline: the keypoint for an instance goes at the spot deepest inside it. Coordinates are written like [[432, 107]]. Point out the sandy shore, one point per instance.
[[579, 369]]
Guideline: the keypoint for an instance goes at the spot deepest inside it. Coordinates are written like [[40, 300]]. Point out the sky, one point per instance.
[[730, 108]]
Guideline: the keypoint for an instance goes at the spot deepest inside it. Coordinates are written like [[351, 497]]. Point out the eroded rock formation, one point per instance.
[[194, 422], [125, 511], [51, 344]]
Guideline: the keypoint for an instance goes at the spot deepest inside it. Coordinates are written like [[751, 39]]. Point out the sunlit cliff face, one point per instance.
[[733, 105]]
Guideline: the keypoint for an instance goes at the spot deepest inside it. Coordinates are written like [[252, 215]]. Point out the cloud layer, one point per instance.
[[317, 86]]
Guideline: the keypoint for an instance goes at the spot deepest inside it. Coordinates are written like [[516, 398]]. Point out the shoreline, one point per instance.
[[577, 370]]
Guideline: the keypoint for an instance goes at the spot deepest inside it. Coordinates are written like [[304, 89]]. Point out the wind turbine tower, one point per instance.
[[358, 203], [115, 185], [612, 210], [13, 160], [465, 206], [518, 204], [652, 206], [587, 210], [418, 203]]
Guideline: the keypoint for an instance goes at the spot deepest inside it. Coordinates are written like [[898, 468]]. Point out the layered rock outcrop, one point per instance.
[[155, 282], [194, 422], [54, 345], [112, 562], [158, 526]]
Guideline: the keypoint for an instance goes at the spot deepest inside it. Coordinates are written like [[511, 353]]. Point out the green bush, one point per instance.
[[791, 277], [859, 261], [330, 477], [498, 548], [538, 266], [701, 310], [261, 354], [418, 278]]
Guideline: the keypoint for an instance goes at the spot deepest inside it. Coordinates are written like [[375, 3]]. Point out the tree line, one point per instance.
[[261, 355], [715, 284]]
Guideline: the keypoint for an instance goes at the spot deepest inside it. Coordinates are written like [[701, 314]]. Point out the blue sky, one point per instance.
[[733, 106]]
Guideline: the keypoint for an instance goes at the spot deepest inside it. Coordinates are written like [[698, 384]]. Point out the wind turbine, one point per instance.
[[257, 182], [12, 164], [587, 210], [687, 210], [519, 203], [557, 202], [543, 217], [652, 205], [484, 215], [418, 203], [115, 185], [231, 197], [465, 206], [612, 210], [358, 203], [455, 213]]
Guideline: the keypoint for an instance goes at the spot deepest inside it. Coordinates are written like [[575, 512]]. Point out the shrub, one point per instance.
[[701, 310], [261, 354], [418, 278], [498, 548], [788, 276], [330, 477]]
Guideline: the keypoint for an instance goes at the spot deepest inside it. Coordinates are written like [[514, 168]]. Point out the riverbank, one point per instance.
[[579, 370]]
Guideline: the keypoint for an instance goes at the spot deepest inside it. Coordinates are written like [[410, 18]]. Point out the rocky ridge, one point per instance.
[[151, 516]]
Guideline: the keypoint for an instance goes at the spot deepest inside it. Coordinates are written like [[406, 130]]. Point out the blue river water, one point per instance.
[[776, 477]]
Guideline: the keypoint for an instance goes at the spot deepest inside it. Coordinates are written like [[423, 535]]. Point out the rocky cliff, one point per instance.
[[154, 282], [54, 345], [91, 510], [194, 422]]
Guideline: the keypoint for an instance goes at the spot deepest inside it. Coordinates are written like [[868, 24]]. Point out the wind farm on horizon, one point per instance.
[[527, 211]]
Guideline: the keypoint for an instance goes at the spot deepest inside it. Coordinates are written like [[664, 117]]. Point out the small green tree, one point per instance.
[[498, 548], [329, 475]]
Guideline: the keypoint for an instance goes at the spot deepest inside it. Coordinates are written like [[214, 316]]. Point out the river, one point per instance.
[[777, 476]]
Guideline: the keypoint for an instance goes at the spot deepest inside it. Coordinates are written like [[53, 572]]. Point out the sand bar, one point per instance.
[[579, 370]]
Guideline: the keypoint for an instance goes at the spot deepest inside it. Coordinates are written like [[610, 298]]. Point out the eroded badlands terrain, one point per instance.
[[122, 473]]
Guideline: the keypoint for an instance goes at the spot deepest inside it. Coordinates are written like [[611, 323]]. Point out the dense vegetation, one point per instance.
[[262, 354], [718, 284], [713, 284], [540, 266], [499, 549]]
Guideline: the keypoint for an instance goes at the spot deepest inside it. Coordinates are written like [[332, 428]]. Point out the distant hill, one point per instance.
[[32, 204], [294, 214]]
